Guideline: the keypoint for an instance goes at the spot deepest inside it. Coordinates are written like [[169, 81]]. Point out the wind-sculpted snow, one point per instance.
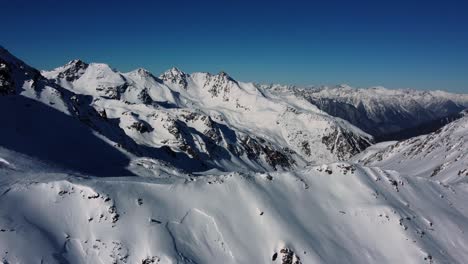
[[335, 213]]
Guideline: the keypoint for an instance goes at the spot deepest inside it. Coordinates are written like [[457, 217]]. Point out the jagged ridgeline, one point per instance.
[[194, 122]]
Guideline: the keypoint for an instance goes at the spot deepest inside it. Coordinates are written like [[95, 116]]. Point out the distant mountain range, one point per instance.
[[383, 113]]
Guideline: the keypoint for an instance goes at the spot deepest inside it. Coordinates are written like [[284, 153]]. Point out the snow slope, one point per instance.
[[442, 155], [336, 213]]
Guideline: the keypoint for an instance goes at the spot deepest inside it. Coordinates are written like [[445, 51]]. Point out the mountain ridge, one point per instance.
[[209, 121]]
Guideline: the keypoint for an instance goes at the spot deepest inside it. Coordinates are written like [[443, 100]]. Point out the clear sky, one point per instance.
[[397, 44]]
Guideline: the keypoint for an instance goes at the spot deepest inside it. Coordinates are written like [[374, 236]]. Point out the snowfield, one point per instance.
[[335, 213], [100, 166]]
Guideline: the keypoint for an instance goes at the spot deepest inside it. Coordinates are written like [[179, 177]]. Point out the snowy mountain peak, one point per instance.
[[172, 72], [143, 73], [175, 76], [224, 75], [70, 72], [75, 62], [344, 86]]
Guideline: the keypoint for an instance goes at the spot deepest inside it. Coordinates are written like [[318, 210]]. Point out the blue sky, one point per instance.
[[397, 44]]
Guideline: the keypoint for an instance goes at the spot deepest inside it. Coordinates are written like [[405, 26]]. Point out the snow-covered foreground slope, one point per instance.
[[442, 155], [336, 213]]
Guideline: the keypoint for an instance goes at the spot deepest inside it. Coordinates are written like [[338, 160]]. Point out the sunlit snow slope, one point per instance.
[[442, 155], [336, 213]]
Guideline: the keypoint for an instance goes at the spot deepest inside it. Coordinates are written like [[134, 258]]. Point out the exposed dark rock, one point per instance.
[[7, 85], [289, 257], [151, 260], [112, 92], [103, 114], [306, 148], [141, 126], [255, 150], [344, 144], [115, 216], [220, 85], [94, 196], [144, 97], [74, 70], [155, 221], [175, 76]]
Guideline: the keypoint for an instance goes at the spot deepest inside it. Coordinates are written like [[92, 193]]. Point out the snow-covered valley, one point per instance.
[[100, 166]]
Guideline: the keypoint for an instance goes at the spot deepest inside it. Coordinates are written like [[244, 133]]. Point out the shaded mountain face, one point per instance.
[[387, 114], [194, 122], [6, 81]]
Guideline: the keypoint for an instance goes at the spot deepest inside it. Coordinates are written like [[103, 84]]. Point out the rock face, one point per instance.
[[7, 85], [14, 72], [289, 257], [343, 144], [73, 70], [175, 76]]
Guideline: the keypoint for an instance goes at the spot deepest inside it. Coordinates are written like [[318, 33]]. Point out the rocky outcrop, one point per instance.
[[257, 148], [141, 127], [219, 85], [175, 76], [344, 144], [286, 256], [73, 70], [7, 85]]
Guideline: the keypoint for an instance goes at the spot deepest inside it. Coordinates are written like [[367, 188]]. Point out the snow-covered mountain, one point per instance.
[[335, 213], [213, 121], [386, 114], [441, 155], [100, 166]]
